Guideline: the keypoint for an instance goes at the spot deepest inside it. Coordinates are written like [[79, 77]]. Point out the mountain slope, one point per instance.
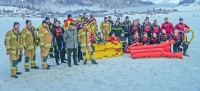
[[101, 3]]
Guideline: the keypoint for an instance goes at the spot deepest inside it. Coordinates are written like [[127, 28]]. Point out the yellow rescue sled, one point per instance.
[[107, 50]]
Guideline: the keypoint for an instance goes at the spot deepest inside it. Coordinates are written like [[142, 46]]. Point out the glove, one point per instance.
[[187, 31], [20, 57], [63, 45]]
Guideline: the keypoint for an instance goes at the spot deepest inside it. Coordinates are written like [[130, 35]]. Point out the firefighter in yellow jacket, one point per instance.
[[14, 47], [29, 42], [105, 28], [45, 40], [84, 41], [93, 27]]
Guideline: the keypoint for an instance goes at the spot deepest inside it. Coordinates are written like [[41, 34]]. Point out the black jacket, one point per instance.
[[111, 22], [57, 39], [154, 40], [135, 28], [164, 37], [147, 28], [126, 26], [132, 40]]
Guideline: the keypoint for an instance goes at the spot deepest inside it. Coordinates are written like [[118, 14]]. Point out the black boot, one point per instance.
[[94, 62], [186, 55], [14, 76], [69, 64], [63, 61], [48, 65], [36, 67], [18, 73], [27, 70], [75, 63], [48, 68], [85, 62], [52, 56], [57, 62]]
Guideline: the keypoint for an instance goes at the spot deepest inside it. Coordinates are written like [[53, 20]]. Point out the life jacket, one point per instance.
[[147, 28], [164, 36], [92, 38], [155, 29], [144, 39], [153, 40], [58, 32], [137, 39], [115, 39], [175, 38], [134, 29]]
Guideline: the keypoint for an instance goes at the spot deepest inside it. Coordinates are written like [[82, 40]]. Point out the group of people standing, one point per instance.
[[77, 37]]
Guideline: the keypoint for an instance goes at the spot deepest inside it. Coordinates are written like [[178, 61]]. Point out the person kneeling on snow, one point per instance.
[[164, 37], [124, 42], [179, 44], [99, 39], [135, 40], [112, 38], [154, 39], [145, 39]]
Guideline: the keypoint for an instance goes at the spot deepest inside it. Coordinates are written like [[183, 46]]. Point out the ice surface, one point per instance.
[[111, 74]]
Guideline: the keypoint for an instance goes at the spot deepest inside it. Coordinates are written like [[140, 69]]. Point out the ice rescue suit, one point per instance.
[[84, 40], [13, 44], [156, 29], [168, 26], [45, 38], [182, 27], [29, 42], [147, 28], [105, 29]]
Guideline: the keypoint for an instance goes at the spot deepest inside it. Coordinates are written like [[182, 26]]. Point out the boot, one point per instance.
[[94, 62], [27, 70], [75, 63], [85, 62], [63, 61], [57, 63], [36, 67], [48, 65], [18, 73], [51, 56], [69, 65], [47, 68], [186, 55], [14, 76]]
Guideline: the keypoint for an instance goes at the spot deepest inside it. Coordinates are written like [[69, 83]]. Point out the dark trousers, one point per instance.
[[69, 50], [79, 54], [176, 48], [51, 52], [59, 52]]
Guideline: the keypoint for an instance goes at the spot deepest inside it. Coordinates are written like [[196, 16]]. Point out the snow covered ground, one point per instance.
[[111, 74]]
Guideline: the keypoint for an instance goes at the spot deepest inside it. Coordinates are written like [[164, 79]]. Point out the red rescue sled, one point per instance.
[[151, 46]]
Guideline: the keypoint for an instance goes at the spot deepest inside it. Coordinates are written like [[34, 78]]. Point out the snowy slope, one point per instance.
[[164, 1], [111, 74]]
